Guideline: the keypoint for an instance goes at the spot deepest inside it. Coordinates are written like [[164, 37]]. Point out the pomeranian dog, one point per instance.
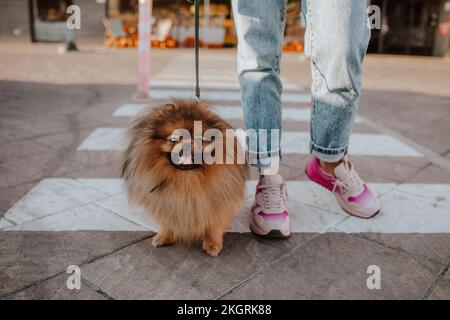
[[191, 201]]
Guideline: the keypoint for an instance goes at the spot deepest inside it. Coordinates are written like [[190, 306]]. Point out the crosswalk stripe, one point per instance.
[[164, 94], [212, 83], [58, 204], [226, 112], [173, 76], [292, 142]]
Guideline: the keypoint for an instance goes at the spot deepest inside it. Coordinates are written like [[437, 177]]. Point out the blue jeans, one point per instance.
[[336, 40]]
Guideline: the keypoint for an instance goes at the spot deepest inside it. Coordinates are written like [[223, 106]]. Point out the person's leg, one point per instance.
[[260, 28], [336, 42]]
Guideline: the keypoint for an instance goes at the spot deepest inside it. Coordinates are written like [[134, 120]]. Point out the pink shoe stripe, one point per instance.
[[273, 216]]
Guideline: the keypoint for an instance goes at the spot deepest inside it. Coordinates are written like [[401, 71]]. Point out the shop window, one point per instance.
[[52, 10], [129, 7]]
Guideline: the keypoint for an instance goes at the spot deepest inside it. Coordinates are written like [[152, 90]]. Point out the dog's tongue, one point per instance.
[[185, 160]]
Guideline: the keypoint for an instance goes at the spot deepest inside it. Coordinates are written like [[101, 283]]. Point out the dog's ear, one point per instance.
[[171, 105]]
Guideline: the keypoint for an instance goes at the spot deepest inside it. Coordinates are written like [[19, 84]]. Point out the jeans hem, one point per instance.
[[328, 154]]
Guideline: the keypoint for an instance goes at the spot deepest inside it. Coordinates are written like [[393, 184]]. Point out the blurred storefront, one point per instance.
[[418, 27], [173, 24], [407, 26], [48, 20], [116, 21]]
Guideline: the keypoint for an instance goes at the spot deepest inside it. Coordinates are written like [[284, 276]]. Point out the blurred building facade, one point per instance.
[[408, 26], [419, 27]]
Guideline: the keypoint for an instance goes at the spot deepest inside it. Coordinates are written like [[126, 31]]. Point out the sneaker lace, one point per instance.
[[273, 196], [350, 182]]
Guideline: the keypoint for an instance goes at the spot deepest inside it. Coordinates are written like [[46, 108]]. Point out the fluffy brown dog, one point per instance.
[[190, 201]]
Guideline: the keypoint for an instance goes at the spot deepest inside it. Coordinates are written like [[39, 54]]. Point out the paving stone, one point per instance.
[[387, 169], [10, 178], [333, 266], [430, 174], [82, 161], [63, 140], [17, 150], [433, 246], [295, 162], [447, 155], [434, 135], [9, 196], [295, 240], [36, 166], [110, 170], [176, 272], [9, 133], [28, 257], [442, 289], [404, 112], [285, 171], [56, 289]]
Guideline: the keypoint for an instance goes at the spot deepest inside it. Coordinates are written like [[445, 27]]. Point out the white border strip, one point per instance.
[[60, 204]]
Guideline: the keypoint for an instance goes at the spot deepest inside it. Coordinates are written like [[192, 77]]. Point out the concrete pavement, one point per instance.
[[62, 202]]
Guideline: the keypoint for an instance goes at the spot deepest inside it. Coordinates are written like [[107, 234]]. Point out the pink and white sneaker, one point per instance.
[[351, 192], [269, 213]]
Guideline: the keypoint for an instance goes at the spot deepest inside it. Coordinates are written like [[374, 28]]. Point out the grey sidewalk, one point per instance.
[[61, 202]]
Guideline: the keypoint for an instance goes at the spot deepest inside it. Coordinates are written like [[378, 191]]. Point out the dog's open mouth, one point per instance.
[[187, 166], [184, 165]]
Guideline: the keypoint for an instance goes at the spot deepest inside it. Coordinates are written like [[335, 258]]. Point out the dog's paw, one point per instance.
[[211, 249], [161, 240]]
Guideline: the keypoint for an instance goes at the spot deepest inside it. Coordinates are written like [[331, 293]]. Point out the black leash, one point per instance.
[[197, 45]]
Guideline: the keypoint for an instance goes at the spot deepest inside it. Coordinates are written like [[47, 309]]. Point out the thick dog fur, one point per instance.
[[189, 205]]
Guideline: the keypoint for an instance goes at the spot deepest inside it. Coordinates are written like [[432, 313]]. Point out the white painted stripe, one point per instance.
[[292, 142], [165, 94], [58, 204], [212, 84], [226, 112], [5, 224], [219, 77], [129, 109], [367, 144], [174, 76], [105, 139]]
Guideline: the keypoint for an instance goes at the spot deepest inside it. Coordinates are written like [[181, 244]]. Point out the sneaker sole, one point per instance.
[[274, 233], [339, 201]]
